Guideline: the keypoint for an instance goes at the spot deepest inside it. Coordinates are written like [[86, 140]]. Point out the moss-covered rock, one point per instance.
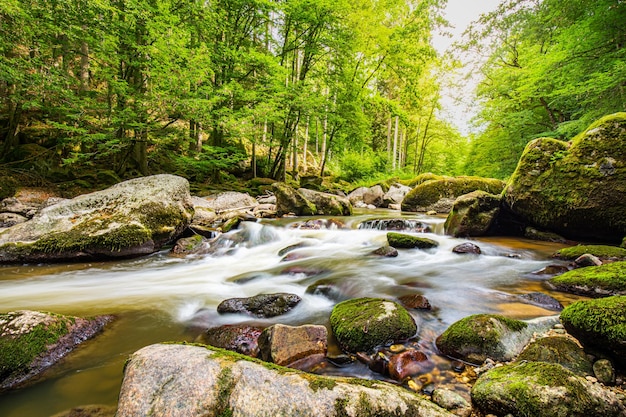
[[136, 217], [542, 389], [472, 214], [561, 350], [593, 281], [364, 323], [439, 194], [575, 189], [603, 252], [180, 380], [289, 200], [478, 337], [599, 324], [32, 341], [327, 204], [404, 241]]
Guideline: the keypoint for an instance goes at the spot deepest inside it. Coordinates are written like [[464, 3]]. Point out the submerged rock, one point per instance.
[[439, 194], [481, 336], [179, 381], [467, 247], [592, 281], [542, 390], [33, 341], [409, 363], [568, 188], [542, 300], [132, 218], [194, 245], [472, 214], [404, 241], [262, 305], [599, 325], [364, 323], [416, 301], [238, 338], [386, 251]]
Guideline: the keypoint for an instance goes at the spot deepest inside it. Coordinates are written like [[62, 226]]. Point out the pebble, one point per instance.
[[559, 326], [591, 379], [559, 331]]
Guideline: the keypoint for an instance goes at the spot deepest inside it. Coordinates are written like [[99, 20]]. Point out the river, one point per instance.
[[164, 298]]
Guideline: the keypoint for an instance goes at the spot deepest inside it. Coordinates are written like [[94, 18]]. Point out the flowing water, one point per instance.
[[163, 298]]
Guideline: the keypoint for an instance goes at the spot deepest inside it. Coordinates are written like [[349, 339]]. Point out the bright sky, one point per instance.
[[460, 13]]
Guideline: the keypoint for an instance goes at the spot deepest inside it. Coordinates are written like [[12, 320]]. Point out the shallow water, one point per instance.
[[160, 298]]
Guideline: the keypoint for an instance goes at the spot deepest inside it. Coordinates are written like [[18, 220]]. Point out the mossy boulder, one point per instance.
[[183, 380], [8, 186], [542, 389], [327, 204], [475, 338], [132, 218], [575, 189], [362, 324], [593, 281], [561, 350], [472, 214], [289, 200], [599, 325], [603, 252], [439, 194], [33, 341], [404, 241]]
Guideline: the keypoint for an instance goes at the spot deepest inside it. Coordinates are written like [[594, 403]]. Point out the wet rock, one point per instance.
[[364, 323], [230, 200], [288, 200], [416, 301], [560, 350], [481, 336], [11, 219], [599, 324], [132, 218], [262, 305], [239, 338], [194, 245], [32, 341], [88, 411], [327, 204], [535, 234], [559, 186], [386, 251], [593, 281], [587, 260], [409, 363], [179, 380], [318, 224], [603, 252], [551, 270], [329, 289], [604, 372], [439, 194], [452, 402], [542, 300], [467, 247], [472, 214], [542, 390], [284, 345], [404, 241], [15, 206], [374, 196], [395, 194], [396, 225]]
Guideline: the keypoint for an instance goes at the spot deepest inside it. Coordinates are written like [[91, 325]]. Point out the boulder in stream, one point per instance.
[[574, 188], [592, 281], [262, 305], [561, 350], [603, 252], [285, 345], [327, 204], [361, 324], [542, 389], [472, 214], [33, 341], [132, 218], [481, 336], [405, 241], [599, 325], [241, 338], [180, 380]]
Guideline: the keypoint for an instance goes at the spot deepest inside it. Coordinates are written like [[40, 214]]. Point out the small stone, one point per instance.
[[409, 363], [604, 372], [414, 386], [587, 260], [262, 305], [558, 326], [467, 247], [284, 345], [416, 301], [397, 348], [431, 213], [386, 251]]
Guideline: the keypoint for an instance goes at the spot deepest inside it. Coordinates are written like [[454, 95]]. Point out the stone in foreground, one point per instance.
[[180, 381]]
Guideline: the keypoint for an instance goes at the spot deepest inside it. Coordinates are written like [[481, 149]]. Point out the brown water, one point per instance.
[[161, 298]]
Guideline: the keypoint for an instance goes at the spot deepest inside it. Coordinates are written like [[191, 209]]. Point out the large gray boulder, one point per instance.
[[132, 218], [180, 380], [574, 188]]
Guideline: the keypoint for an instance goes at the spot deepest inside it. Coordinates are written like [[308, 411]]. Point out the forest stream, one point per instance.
[[163, 298]]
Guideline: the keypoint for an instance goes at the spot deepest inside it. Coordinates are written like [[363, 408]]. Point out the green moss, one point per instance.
[[404, 241], [18, 352], [364, 323], [593, 281], [601, 251], [321, 382], [560, 350], [225, 386], [605, 317]]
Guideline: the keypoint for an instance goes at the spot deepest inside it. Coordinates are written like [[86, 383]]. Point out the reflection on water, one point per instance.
[[159, 298]]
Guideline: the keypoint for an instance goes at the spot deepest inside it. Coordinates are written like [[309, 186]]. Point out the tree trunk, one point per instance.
[[389, 139], [395, 144], [304, 146], [11, 138], [84, 67]]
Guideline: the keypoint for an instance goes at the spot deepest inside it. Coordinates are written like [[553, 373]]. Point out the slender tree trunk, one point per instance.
[[253, 162], [324, 136], [389, 139], [84, 67], [395, 144], [295, 150], [11, 138], [304, 146]]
